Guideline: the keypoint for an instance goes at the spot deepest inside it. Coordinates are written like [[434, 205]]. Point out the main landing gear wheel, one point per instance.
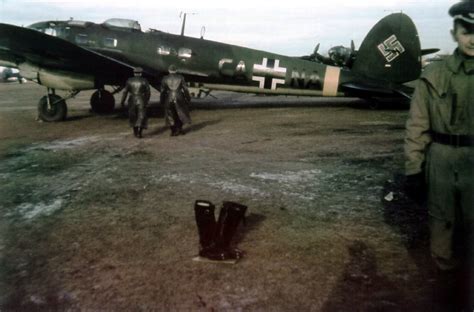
[[373, 103], [102, 102], [54, 109]]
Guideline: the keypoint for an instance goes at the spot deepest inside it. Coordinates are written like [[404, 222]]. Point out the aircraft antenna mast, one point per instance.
[[183, 25]]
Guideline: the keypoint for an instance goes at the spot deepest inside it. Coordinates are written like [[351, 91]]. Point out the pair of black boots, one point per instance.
[[215, 237], [137, 132], [176, 130]]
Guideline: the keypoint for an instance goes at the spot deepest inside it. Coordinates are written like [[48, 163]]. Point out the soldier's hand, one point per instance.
[[415, 187]]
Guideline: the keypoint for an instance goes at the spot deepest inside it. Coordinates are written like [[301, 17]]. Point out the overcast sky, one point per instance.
[[291, 27]]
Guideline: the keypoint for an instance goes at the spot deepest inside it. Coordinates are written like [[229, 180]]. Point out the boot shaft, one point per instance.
[[206, 223], [229, 219]]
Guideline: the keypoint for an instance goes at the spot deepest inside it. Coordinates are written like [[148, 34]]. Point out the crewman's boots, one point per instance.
[[135, 131], [140, 130], [215, 238], [180, 131], [465, 287], [174, 131], [206, 223], [445, 294], [230, 216]]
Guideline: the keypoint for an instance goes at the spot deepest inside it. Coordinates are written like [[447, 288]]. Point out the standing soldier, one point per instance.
[[439, 150], [175, 98], [139, 90]]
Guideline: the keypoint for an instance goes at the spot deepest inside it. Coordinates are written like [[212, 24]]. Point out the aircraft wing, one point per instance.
[[366, 90], [38, 49]]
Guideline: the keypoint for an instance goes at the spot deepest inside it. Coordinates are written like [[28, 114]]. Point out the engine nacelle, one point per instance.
[[56, 79]]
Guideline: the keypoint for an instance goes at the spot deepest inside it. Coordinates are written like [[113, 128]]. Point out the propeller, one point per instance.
[[316, 49], [315, 54]]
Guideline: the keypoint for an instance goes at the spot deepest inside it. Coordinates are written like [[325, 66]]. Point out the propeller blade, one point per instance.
[[316, 49]]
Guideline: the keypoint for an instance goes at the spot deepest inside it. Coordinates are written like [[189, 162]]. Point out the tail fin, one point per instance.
[[390, 51]]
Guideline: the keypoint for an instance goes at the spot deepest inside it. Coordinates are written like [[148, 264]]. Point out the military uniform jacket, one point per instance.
[[443, 102], [139, 90], [175, 93]]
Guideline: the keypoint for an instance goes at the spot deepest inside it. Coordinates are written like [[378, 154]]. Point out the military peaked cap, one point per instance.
[[138, 70], [172, 69], [463, 10]]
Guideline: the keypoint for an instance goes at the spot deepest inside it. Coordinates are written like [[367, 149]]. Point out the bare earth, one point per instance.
[[92, 218]]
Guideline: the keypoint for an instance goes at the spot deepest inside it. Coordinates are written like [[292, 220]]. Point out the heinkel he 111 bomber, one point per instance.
[[75, 55]]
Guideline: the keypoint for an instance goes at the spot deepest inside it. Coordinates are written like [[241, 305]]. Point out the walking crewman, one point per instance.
[[139, 90], [175, 98]]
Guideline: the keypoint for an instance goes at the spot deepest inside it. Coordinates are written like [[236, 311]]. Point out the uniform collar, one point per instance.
[[469, 66], [458, 62]]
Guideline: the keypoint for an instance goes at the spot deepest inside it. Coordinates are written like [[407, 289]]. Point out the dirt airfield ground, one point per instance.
[[92, 218]]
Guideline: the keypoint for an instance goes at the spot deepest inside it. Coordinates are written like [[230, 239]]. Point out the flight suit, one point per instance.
[[440, 137], [175, 98], [139, 90]]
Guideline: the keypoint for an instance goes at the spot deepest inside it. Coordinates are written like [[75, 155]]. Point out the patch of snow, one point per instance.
[[173, 177], [289, 176], [237, 188], [65, 144], [228, 186], [30, 211]]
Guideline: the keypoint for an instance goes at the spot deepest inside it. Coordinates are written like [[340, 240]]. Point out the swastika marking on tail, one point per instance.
[[391, 48]]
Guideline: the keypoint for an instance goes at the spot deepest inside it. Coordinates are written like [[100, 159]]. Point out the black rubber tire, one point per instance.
[[102, 102], [57, 111], [373, 104]]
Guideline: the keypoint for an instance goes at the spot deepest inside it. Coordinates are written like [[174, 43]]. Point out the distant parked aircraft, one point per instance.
[[10, 74]]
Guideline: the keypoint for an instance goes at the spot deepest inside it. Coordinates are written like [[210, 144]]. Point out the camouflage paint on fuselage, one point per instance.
[[200, 60]]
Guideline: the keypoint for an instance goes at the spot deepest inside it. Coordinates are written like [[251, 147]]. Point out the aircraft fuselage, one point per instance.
[[203, 61]]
